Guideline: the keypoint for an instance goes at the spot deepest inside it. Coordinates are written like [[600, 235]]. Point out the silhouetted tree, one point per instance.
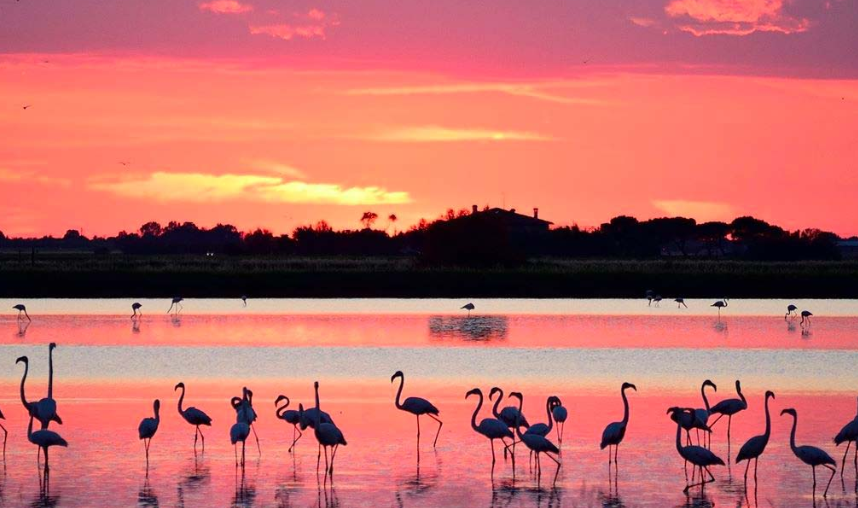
[[150, 229], [392, 218], [368, 219]]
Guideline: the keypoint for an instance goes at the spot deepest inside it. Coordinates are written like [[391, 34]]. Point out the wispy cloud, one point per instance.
[[700, 210], [434, 133], [734, 17], [539, 91], [277, 168], [27, 176], [210, 188], [312, 24], [225, 7]]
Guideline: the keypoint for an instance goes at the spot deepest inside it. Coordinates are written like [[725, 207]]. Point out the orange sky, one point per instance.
[[117, 134]]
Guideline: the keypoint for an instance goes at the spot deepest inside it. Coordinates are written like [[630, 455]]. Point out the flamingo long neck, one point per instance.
[[625, 407], [157, 412], [30, 430], [792, 433], [399, 392], [518, 417], [23, 379], [495, 408], [741, 396], [181, 398], [476, 412], [705, 400], [22, 391], [548, 412], [679, 435], [281, 409], [768, 421], [50, 372], [319, 411]]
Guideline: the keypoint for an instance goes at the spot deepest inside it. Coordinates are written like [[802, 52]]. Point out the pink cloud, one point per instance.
[[316, 14], [734, 17], [225, 7], [310, 25]]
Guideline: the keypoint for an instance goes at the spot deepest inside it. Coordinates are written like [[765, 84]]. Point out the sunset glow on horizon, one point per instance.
[[278, 114]]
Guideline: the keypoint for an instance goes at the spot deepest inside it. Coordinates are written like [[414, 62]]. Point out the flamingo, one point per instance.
[[135, 307], [754, 447], [810, 455], [680, 302], [805, 317], [701, 415], [245, 413], [615, 432], [289, 416], [657, 300], [720, 304], [148, 427], [244, 300], [849, 435], [543, 429], [650, 294], [22, 311], [791, 309], [32, 407], [560, 414], [327, 434], [510, 415], [416, 406], [469, 307], [44, 439], [699, 456], [729, 407], [239, 432], [177, 302], [193, 416], [491, 428], [536, 443], [308, 418]]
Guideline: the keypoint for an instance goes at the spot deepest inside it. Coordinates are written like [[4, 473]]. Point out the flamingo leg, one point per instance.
[[814, 481], [202, 438], [833, 472], [5, 435], [843, 464], [558, 465], [196, 435], [729, 424], [616, 452], [747, 466], [492, 444], [333, 456], [756, 463], [440, 424], [257, 439]]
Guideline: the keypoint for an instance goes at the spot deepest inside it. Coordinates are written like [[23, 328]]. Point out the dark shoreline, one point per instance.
[[87, 276]]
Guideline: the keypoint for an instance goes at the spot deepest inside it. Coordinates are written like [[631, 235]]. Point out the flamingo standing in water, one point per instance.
[[680, 302], [44, 439], [560, 415], [193, 416], [536, 443], [135, 310], [510, 415], [244, 300], [720, 304], [543, 429], [290, 416], [755, 446], [327, 434], [699, 456], [805, 318], [239, 432], [22, 311], [416, 406], [701, 415], [615, 432], [491, 428], [148, 427], [728, 408], [810, 455], [32, 407], [791, 309], [177, 302], [849, 435], [650, 294], [657, 300], [469, 307]]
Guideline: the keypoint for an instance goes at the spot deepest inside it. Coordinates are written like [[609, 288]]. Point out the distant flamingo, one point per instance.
[[510, 415], [290, 416], [239, 432], [193, 416], [657, 300], [44, 439], [469, 307], [805, 317], [416, 406], [849, 435], [5, 435], [536, 443], [177, 302], [699, 456], [615, 432], [680, 302], [701, 415], [791, 309], [650, 294], [720, 304], [728, 408], [22, 311], [135, 307], [149, 426], [560, 415], [244, 300], [755, 446], [491, 428], [810, 455], [327, 434]]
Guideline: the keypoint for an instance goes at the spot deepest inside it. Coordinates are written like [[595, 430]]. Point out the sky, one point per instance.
[[275, 113]]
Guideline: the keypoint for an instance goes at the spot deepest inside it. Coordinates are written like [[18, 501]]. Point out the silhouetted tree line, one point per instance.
[[462, 237]]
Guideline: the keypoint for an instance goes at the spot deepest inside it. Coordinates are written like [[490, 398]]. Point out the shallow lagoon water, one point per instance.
[[108, 372]]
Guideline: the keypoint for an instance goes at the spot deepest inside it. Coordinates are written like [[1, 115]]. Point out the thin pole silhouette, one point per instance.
[[849, 435], [755, 446], [22, 311], [536, 443], [135, 310], [290, 416], [810, 455], [148, 427], [194, 417], [177, 302], [615, 432], [491, 428], [416, 406], [700, 457], [728, 408]]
